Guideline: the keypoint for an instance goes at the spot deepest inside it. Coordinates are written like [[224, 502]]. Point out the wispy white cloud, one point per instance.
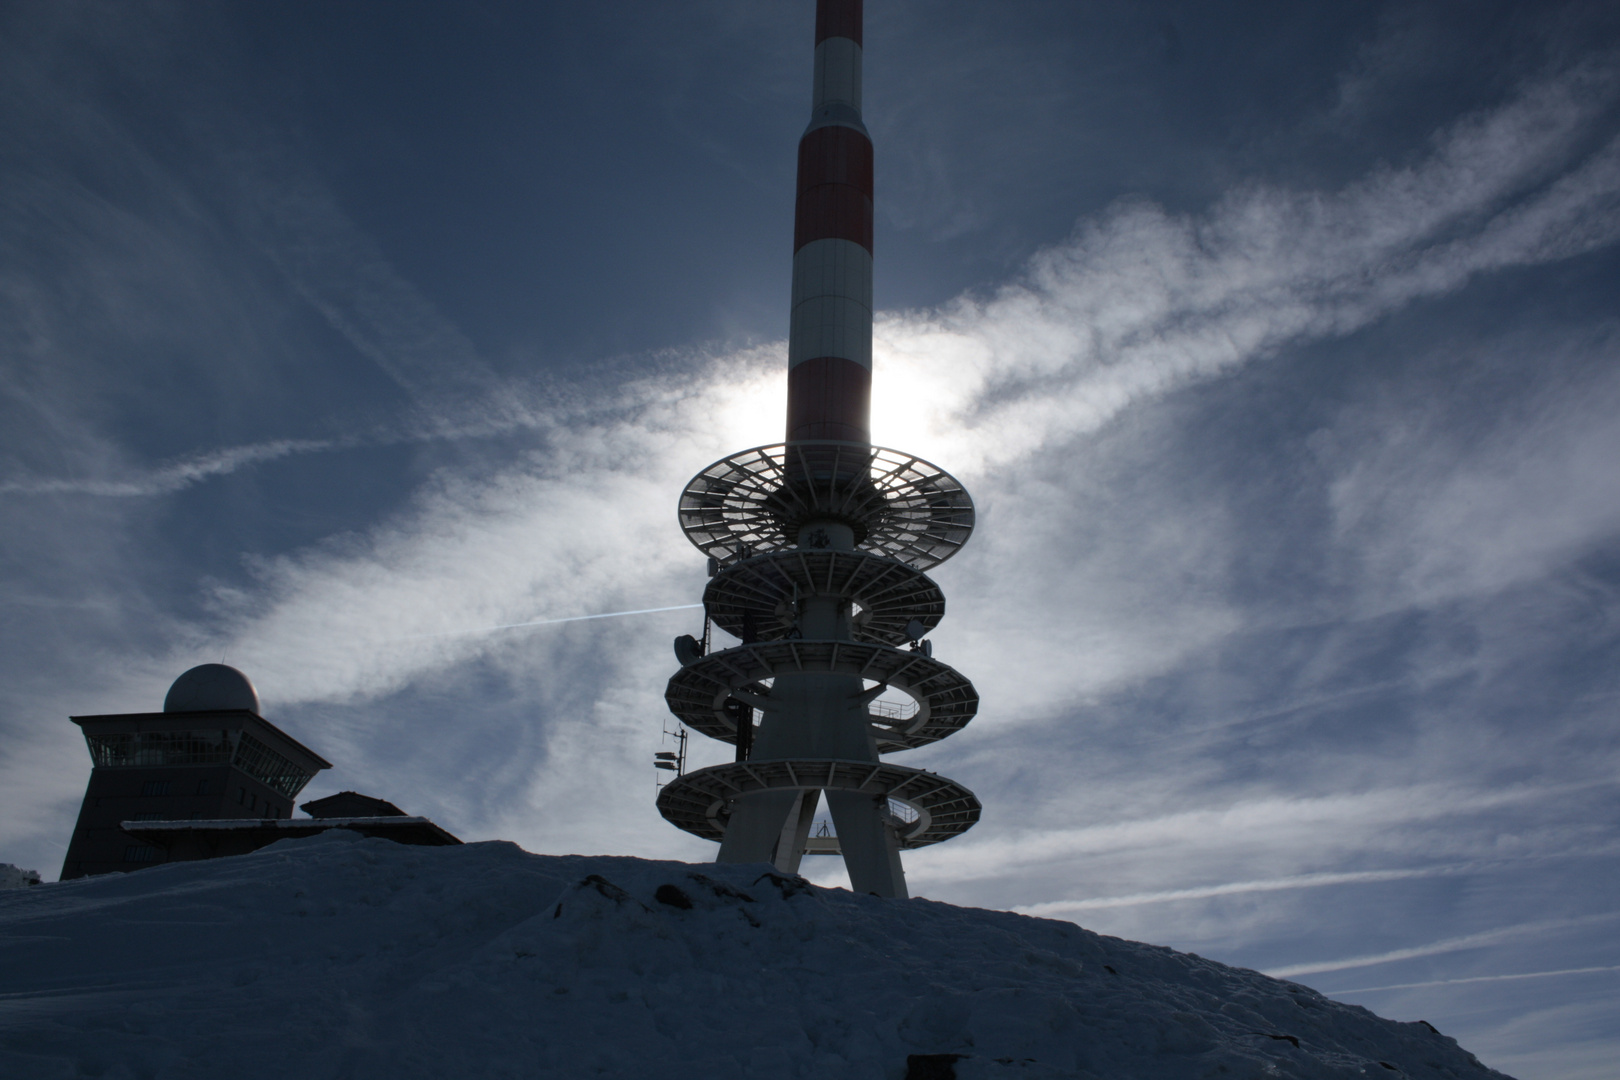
[[1141, 302], [175, 475], [1426, 514]]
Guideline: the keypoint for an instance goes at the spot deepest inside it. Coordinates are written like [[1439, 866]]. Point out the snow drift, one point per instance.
[[338, 956]]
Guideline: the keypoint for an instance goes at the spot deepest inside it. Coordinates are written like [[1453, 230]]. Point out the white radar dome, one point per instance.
[[212, 688]]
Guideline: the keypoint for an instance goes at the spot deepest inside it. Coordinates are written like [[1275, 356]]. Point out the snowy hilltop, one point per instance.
[[338, 956]]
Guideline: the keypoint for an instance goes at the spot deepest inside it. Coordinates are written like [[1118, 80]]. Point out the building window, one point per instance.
[[149, 817], [253, 802], [162, 748], [157, 787], [195, 814], [202, 787], [140, 853], [241, 796], [268, 767]]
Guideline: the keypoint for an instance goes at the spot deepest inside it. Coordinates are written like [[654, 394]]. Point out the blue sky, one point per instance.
[[1277, 345]]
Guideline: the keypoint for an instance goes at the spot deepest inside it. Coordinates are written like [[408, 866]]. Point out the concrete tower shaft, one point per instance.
[[830, 334]]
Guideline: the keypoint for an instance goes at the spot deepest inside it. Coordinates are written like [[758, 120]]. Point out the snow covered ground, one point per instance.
[[338, 956]]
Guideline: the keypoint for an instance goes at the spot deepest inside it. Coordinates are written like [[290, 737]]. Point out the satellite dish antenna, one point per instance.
[[688, 649], [915, 630]]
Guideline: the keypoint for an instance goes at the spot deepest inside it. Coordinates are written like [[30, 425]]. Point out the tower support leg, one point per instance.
[[755, 830], [871, 851], [796, 832]]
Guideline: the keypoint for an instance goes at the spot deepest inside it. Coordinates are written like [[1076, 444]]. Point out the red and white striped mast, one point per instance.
[[830, 333], [817, 550]]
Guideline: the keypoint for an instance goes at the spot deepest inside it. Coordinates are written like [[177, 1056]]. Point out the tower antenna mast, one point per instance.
[[818, 548]]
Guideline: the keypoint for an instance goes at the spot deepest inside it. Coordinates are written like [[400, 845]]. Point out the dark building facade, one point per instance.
[[208, 755], [188, 841], [185, 841]]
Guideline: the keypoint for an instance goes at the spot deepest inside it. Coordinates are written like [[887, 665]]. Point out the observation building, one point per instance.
[[207, 777], [818, 548]]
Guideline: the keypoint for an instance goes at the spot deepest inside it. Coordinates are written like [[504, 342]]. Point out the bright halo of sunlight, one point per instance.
[[923, 379], [752, 411]]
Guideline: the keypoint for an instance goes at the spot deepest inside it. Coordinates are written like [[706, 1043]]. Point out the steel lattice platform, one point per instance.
[[755, 502], [764, 588], [945, 699], [699, 801]]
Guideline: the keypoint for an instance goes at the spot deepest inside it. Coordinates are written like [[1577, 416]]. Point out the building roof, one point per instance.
[[402, 829], [350, 804], [222, 719]]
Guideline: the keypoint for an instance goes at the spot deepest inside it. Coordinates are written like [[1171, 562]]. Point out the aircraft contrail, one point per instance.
[[1202, 892], [1474, 979], [552, 622], [1457, 944]]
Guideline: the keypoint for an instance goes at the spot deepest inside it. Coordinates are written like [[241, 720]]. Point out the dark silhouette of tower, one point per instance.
[[817, 548]]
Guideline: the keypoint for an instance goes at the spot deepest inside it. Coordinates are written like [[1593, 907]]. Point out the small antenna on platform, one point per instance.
[[675, 761]]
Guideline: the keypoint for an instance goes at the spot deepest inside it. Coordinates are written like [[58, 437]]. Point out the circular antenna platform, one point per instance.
[[896, 504], [943, 697], [700, 801], [889, 594]]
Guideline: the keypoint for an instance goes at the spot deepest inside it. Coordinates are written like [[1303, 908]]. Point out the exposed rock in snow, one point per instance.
[[342, 957]]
